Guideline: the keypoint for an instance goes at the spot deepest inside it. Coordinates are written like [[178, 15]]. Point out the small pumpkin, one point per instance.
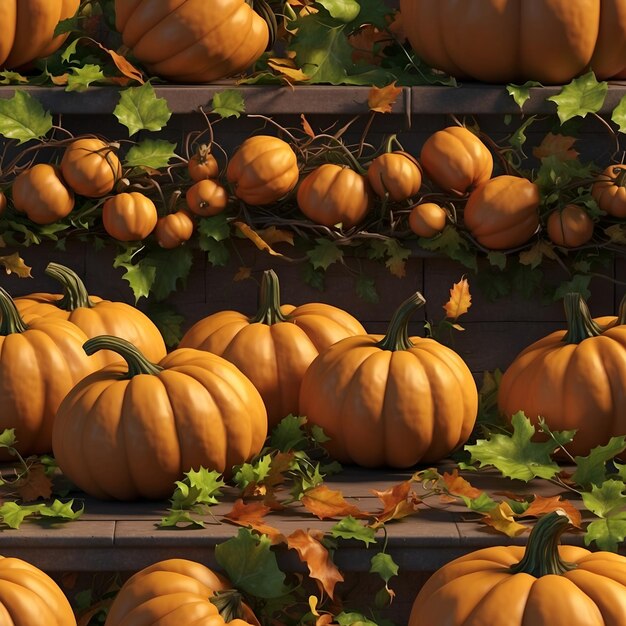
[[274, 347], [41, 193], [390, 400], [456, 159], [203, 165], [395, 173], [573, 378], [570, 227], [503, 212], [332, 194], [28, 29], [133, 428], [39, 363], [427, 219], [173, 230], [194, 41], [90, 167], [93, 315], [610, 190], [129, 216], [263, 170], [206, 198], [29, 597], [178, 591]]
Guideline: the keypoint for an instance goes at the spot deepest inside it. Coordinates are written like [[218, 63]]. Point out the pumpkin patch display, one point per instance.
[[396, 174], [610, 191], [543, 584], [573, 378], [274, 347], [570, 227], [129, 216], [173, 230], [390, 400], [133, 428]]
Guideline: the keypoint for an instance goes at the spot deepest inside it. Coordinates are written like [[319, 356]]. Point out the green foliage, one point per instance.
[[23, 118], [384, 565], [81, 78], [12, 514], [521, 93], [350, 528], [324, 254], [228, 103], [152, 153], [591, 469], [139, 108], [608, 502], [582, 96]]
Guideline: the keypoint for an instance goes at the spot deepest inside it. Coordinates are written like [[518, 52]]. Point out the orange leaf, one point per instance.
[[541, 506], [35, 485], [306, 126], [399, 501], [502, 518], [460, 300], [256, 238], [61, 80], [272, 235], [127, 69], [326, 503], [251, 515], [383, 99], [317, 559], [458, 486], [559, 146], [243, 274]]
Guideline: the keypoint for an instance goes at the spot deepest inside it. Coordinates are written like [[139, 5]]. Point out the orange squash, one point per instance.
[[129, 216], [390, 401], [395, 173], [203, 165], [610, 191], [173, 230], [133, 428], [274, 347], [427, 219], [570, 227], [206, 198]]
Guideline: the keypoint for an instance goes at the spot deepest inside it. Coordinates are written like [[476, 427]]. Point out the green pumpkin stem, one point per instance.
[[75, 294], [229, 603], [137, 362], [393, 140], [397, 337], [269, 301], [580, 324], [542, 557], [11, 321], [620, 176]]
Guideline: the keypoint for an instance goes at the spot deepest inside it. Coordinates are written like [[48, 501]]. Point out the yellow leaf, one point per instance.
[[288, 68], [383, 99], [502, 518], [61, 80], [460, 300], [274, 235], [14, 264], [256, 238], [313, 605], [559, 146]]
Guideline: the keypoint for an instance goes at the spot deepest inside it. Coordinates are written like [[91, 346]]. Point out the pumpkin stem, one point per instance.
[[542, 557], [137, 362], [229, 603], [11, 321], [397, 337], [580, 324], [269, 301], [620, 176], [75, 293], [621, 313]]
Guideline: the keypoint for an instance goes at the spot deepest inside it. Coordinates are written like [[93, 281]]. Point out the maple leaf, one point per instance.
[[559, 146], [382, 99], [251, 515], [317, 559], [35, 484], [460, 300], [458, 486], [502, 518], [14, 264], [398, 501], [327, 503], [540, 506]]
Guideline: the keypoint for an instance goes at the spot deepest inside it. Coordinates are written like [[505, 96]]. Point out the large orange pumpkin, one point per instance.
[[573, 378], [543, 584], [274, 347], [28, 29], [394, 400], [93, 315], [178, 591], [193, 41], [503, 41], [133, 428]]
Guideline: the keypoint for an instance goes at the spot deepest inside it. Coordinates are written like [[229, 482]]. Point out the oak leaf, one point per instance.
[[251, 516], [327, 503], [460, 300], [382, 99]]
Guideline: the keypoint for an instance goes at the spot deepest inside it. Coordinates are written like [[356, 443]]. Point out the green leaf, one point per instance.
[[154, 153], [23, 118], [69, 51], [324, 254], [534, 255], [521, 93], [250, 473], [200, 486], [342, 10], [591, 469], [180, 516], [140, 277], [61, 510], [582, 96], [619, 115], [607, 533], [366, 289], [217, 253], [350, 528], [13, 514], [312, 277], [318, 434], [396, 263], [354, 619], [171, 269], [7, 77], [215, 227], [7, 438], [515, 455], [289, 434], [608, 502], [228, 103], [518, 138], [68, 25], [453, 245], [383, 565], [578, 284], [79, 78], [483, 504], [140, 109], [168, 321], [251, 565], [498, 259]]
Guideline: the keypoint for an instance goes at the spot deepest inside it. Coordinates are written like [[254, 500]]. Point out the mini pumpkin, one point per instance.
[[206, 198], [129, 216], [396, 174], [610, 190], [570, 227], [427, 219], [173, 230], [203, 165]]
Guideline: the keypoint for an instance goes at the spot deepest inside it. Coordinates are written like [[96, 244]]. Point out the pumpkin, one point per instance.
[[390, 400], [178, 591], [90, 167], [93, 315], [333, 194], [193, 41], [41, 193], [427, 219], [503, 212], [570, 227], [203, 165], [133, 428], [129, 216], [206, 198], [573, 378], [173, 230], [274, 347], [39, 363], [29, 597], [543, 584], [263, 170], [610, 191], [396, 174], [456, 159], [512, 41], [28, 29], [3, 203]]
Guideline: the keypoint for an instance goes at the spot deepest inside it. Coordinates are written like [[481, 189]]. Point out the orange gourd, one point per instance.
[[395, 173], [543, 584], [570, 227], [173, 230], [129, 216], [93, 315], [203, 165], [512, 41], [390, 401], [206, 198], [573, 378], [610, 191], [427, 219], [274, 347], [133, 428]]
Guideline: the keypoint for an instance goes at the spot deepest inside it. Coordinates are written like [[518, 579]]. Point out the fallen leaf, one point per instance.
[[14, 264], [288, 68], [35, 485], [559, 146], [540, 506], [61, 80], [460, 300], [399, 501], [307, 129], [458, 486], [251, 516], [382, 99], [502, 519], [327, 503]]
